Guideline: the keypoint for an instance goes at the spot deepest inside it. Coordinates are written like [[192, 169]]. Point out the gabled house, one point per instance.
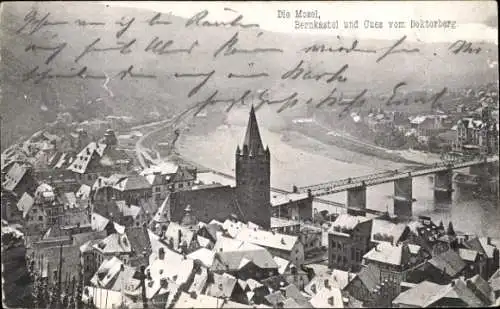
[[348, 240], [242, 259], [168, 177], [485, 247], [98, 159], [225, 286], [458, 293], [285, 246], [444, 267], [394, 261]]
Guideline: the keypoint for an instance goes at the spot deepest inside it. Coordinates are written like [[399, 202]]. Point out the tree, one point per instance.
[[441, 225], [450, 231]]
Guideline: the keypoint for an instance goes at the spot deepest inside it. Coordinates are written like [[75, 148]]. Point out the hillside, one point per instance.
[[26, 106]]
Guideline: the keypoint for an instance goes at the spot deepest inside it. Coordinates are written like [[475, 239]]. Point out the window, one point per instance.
[[40, 218], [180, 186]]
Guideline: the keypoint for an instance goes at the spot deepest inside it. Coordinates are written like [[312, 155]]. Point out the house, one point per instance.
[[370, 288], [293, 206], [334, 278], [121, 212], [285, 246], [103, 298], [45, 256], [99, 159], [130, 188], [475, 261], [494, 282], [328, 297], [291, 273], [18, 180], [116, 245], [242, 259], [180, 238], [458, 293], [114, 275], [388, 231], [427, 125], [348, 240], [394, 261], [225, 286], [444, 267], [477, 135], [490, 251], [167, 177], [204, 301]]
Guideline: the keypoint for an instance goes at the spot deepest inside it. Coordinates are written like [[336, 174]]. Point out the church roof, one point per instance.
[[252, 136]]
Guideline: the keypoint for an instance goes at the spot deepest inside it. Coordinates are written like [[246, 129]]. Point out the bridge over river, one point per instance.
[[403, 199]]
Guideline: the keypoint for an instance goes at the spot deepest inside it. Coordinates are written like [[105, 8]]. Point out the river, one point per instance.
[[301, 160]]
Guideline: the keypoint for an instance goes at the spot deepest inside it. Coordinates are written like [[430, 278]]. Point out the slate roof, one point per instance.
[[387, 253], [106, 272], [370, 277], [162, 215], [81, 161], [282, 264], [138, 238], [468, 255], [25, 204], [321, 299], [128, 210], [267, 239], [204, 255], [14, 176], [336, 279], [199, 281], [173, 267], [252, 136], [132, 182], [165, 168], [201, 301], [422, 295], [114, 243], [494, 281], [383, 229], [223, 286], [483, 287], [275, 298], [173, 233], [346, 222], [231, 252], [83, 192], [449, 262]]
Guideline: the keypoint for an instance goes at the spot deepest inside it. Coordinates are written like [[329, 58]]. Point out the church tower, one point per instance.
[[253, 176]]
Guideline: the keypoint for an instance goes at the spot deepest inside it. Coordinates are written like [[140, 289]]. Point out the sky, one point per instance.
[[475, 20]]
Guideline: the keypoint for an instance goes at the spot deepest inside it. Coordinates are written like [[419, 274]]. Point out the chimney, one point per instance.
[[330, 300], [489, 241], [161, 253], [327, 284], [313, 288]]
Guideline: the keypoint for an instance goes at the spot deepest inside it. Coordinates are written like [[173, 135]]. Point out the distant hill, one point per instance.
[[26, 107]]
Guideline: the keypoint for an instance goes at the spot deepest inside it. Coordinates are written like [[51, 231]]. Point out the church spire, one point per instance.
[[252, 136]]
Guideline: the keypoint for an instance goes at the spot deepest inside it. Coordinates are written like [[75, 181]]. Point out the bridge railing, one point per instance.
[[374, 178]]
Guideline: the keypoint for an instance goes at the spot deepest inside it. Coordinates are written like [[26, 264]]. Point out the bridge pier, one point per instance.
[[403, 197], [443, 185], [356, 198]]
